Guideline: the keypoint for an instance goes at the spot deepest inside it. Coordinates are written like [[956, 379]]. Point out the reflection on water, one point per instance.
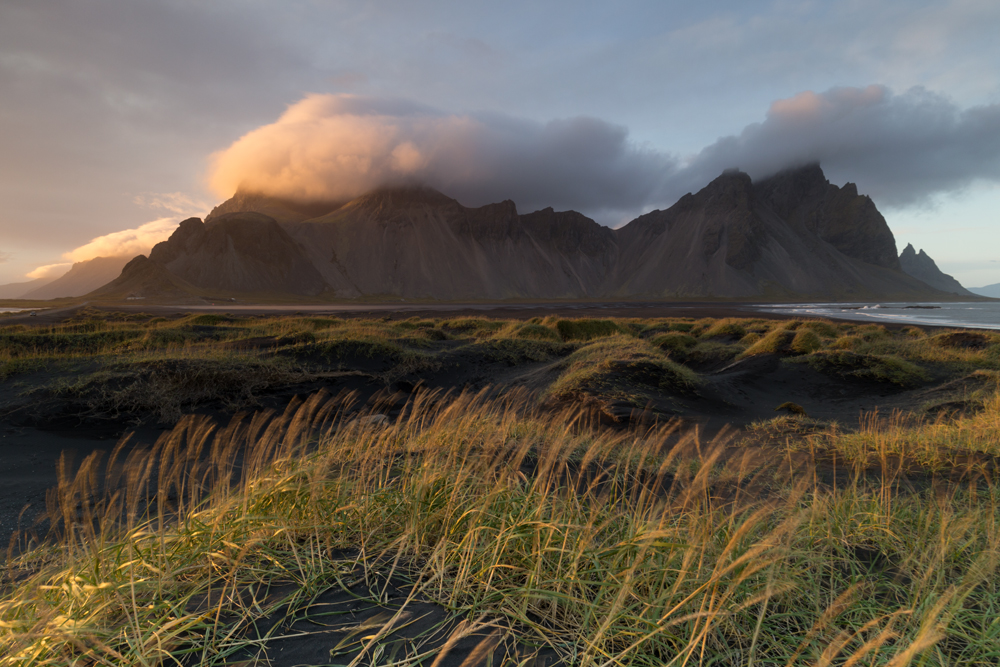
[[15, 310], [975, 315]]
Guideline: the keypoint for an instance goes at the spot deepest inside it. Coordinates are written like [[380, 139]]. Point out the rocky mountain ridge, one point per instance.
[[792, 235]]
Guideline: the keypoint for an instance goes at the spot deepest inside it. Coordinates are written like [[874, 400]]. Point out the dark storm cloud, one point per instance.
[[900, 149], [341, 146]]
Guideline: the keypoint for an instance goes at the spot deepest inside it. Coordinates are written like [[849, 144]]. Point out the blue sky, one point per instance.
[[112, 109]]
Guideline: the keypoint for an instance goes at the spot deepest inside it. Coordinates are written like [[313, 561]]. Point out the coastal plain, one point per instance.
[[675, 421]]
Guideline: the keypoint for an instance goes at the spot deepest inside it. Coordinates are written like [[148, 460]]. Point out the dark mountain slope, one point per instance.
[[238, 252], [281, 210], [146, 279], [840, 216], [727, 241], [789, 236], [418, 243]]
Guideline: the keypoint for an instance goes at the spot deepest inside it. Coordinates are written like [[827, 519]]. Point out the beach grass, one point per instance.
[[513, 514], [602, 547]]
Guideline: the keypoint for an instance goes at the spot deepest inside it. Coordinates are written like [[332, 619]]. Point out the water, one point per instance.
[[15, 310], [972, 315]]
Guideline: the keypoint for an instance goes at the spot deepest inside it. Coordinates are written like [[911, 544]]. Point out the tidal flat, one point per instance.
[[306, 490]]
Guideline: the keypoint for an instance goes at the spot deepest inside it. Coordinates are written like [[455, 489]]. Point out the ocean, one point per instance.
[[973, 315]]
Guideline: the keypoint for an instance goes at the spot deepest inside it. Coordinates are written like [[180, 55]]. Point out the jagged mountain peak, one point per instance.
[[281, 209], [403, 197], [792, 234], [923, 268], [839, 215]]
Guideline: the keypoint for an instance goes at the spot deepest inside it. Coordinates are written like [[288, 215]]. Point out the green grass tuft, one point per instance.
[[775, 342], [805, 341], [877, 368], [586, 329]]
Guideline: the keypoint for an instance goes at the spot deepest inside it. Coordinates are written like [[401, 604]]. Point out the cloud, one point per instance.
[[178, 203], [900, 149], [132, 242], [128, 242], [50, 271], [5, 256], [340, 146]]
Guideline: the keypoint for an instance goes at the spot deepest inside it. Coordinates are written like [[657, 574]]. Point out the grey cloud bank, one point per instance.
[[340, 146], [901, 149]]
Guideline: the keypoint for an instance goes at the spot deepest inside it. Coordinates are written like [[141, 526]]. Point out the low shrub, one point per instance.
[[823, 329], [675, 344], [725, 329], [535, 331], [620, 367], [775, 342], [209, 319], [877, 368], [805, 341], [586, 329]]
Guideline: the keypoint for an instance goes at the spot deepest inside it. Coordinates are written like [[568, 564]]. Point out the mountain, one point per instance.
[[418, 243], [922, 267], [82, 278], [779, 238], [992, 291], [238, 252], [281, 210], [793, 235], [18, 290]]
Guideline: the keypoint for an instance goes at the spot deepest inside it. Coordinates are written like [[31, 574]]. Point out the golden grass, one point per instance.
[[609, 548]]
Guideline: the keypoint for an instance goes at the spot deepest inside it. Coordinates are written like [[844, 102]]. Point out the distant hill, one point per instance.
[[793, 235], [83, 277], [990, 290], [17, 290], [922, 267]]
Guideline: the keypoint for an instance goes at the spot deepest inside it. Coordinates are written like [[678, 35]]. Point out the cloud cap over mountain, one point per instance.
[[899, 149], [336, 147]]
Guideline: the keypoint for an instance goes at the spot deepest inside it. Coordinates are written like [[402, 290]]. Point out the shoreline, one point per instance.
[[504, 310]]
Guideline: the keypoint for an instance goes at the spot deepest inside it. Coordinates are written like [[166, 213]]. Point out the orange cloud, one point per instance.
[[49, 271], [128, 242], [133, 242], [336, 147], [808, 106]]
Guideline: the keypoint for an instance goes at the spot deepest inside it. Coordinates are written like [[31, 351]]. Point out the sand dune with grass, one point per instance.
[[481, 491]]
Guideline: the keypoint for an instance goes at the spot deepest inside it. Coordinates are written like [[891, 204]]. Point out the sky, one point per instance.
[[119, 118]]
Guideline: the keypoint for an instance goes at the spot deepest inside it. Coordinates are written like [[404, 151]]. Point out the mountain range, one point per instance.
[[793, 235]]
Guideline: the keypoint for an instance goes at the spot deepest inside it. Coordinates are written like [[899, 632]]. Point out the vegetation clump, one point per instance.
[[675, 344], [805, 341], [586, 329], [871, 367], [727, 328], [536, 331], [620, 368], [777, 341]]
